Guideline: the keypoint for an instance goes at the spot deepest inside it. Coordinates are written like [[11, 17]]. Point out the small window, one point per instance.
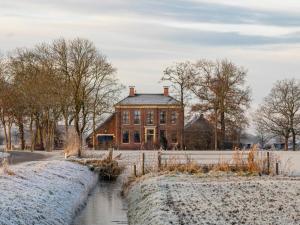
[[150, 117], [162, 117], [125, 138], [137, 117], [174, 137], [174, 117], [136, 137], [125, 117]]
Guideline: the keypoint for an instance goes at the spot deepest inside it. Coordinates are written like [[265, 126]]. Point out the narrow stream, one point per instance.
[[105, 206]]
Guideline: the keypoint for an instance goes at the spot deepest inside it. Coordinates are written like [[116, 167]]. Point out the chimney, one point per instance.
[[131, 91], [166, 91]]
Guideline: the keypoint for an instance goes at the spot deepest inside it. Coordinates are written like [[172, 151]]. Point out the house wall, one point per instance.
[[108, 127], [131, 127]]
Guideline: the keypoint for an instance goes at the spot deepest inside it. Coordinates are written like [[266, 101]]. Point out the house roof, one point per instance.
[[109, 118], [149, 99], [198, 122]]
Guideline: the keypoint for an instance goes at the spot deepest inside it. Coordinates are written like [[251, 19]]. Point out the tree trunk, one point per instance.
[[182, 144], [21, 133], [31, 133], [41, 138], [66, 127], [9, 136], [5, 134], [286, 143], [294, 139], [37, 130], [222, 130], [216, 131], [94, 130]]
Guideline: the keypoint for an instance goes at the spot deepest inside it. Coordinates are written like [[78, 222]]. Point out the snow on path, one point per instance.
[[44, 193], [3, 155], [185, 200]]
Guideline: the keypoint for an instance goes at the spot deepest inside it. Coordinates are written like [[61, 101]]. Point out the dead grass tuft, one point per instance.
[[5, 168], [108, 168], [72, 144]]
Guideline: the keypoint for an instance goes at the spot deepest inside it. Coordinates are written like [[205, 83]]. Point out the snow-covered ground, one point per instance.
[[185, 200], [44, 192]]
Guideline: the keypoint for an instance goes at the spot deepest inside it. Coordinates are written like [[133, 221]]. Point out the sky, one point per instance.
[[143, 37]]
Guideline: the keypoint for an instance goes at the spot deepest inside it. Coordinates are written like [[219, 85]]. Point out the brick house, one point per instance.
[[142, 121]]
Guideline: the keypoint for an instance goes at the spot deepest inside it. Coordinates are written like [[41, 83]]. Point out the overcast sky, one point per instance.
[[142, 37]]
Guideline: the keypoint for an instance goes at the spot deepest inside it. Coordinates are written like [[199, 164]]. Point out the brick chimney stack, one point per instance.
[[166, 91], [131, 91]]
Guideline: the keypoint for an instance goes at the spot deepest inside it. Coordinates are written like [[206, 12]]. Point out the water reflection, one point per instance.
[[105, 206]]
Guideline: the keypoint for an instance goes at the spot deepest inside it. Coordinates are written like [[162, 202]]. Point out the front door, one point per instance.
[[150, 138]]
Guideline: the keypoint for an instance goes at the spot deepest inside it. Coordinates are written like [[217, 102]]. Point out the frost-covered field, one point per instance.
[[46, 192], [186, 200]]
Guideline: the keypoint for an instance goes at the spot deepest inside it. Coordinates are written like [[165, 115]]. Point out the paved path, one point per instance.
[[26, 156]]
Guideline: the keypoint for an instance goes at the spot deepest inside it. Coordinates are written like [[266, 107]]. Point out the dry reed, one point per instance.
[[5, 168], [72, 144]]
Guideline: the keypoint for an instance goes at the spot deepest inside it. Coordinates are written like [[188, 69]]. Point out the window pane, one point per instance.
[[174, 117], [125, 136], [162, 117], [126, 117], [136, 137], [137, 117], [150, 117]]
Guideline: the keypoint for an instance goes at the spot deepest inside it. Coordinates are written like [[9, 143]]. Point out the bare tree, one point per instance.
[[280, 112], [220, 89], [179, 76], [83, 68], [105, 92], [6, 115], [262, 134]]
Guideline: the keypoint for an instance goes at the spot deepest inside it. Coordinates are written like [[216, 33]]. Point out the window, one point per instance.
[[174, 117], [174, 137], [150, 136], [150, 116], [136, 137], [125, 117], [125, 138], [137, 117], [162, 117]]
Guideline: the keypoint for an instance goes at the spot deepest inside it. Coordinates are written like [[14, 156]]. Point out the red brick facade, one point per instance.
[[170, 129], [144, 121]]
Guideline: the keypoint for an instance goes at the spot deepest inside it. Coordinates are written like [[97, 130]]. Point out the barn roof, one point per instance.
[[149, 99]]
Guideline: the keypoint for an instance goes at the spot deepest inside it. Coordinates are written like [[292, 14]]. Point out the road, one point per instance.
[[17, 157]]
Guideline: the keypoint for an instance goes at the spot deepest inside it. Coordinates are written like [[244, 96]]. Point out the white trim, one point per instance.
[[105, 135]]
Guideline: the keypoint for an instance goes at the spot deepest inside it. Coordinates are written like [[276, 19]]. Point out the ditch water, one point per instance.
[[105, 206]]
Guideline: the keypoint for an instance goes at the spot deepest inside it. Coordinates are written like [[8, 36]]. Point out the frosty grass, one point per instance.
[[44, 193], [190, 200]]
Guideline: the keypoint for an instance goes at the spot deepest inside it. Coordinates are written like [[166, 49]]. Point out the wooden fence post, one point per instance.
[[268, 162], [143, 163], [159, 160], [134, 170], [277, 168], [110, 154]]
